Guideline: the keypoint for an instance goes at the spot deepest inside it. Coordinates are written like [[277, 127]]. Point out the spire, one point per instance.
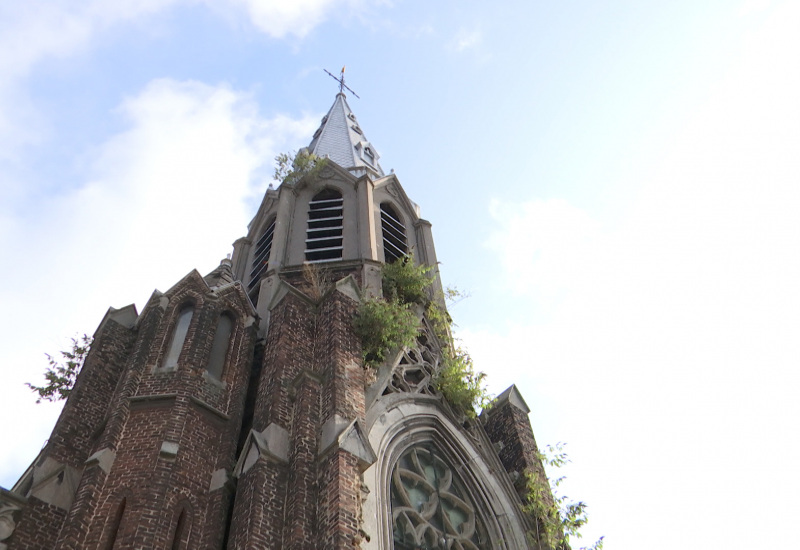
[[342, 140]]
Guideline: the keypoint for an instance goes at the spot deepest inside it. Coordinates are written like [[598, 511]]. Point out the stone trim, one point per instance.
[[205, 407]]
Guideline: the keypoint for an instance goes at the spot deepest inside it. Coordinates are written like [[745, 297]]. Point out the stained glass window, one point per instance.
[[430, 505]]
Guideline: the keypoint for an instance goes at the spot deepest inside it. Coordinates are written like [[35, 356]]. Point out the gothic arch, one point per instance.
[[261, 252], [422, 423], [393, 231], [180, 526], [325, 226], [179, 322], [222, 345], [118, 512]]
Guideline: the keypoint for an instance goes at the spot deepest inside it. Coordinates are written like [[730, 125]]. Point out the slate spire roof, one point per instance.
[[342, 140]]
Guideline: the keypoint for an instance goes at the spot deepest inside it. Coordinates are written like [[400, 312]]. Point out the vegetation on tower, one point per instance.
[[388, 323]]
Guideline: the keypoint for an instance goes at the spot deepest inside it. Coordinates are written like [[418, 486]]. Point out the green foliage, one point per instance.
[[440, 321], [60, 375], [383, 326], [405, 282], [291, 168], [557, 518], [464, 388]]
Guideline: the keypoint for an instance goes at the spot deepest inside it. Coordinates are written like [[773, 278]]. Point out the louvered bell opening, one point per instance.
[[261, 256], [325, 226], [395, 245]]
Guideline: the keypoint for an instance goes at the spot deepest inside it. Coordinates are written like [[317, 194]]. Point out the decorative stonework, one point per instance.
[[430, 506], [11, 505], [416, 369]]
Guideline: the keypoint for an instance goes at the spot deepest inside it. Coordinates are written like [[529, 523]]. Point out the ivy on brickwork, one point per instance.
[[384, 324], [557, 519], [292, 167], [60, 374]]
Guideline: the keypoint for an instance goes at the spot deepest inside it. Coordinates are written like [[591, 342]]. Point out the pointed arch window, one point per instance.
[[115, 525], [180, 531], [431, 507], [395, 245], [220, 345], [325, 227], [261, 255], [178, 336]]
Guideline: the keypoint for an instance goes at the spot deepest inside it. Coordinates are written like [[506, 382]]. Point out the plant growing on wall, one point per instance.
[[60, 374], [384, 325], [405, 282], [292, 167], [557, 518], [464, 388]]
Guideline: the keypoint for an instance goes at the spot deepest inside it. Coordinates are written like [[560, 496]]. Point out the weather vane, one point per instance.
[[342, 85]]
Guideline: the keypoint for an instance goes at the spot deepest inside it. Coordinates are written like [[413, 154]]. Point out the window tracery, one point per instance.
[[416, 369], [431, 508]]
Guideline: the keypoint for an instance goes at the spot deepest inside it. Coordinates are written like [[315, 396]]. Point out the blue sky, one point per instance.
[[616, 185]]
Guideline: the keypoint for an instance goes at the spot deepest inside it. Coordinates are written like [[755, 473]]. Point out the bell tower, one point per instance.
[[236, 410]]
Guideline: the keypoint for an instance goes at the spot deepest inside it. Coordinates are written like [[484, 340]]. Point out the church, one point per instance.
[[236, 410]]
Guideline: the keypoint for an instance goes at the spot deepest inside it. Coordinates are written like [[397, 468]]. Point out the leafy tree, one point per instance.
[[557, 518], [60, 374]]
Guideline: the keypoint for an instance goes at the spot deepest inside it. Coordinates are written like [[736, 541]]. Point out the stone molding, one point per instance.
[[271, 444]]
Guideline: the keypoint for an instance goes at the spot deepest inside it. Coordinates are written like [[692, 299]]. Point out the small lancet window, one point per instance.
[[431, 507], [115, 525], [180, 531], [261, 256], [219, 347], [325, 227], [178, 337], [395, 245]]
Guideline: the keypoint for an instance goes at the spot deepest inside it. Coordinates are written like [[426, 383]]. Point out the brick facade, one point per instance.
[[284, 450]]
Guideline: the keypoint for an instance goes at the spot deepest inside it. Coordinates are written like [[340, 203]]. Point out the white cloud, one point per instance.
[[37, 30], [278, 18], [466, 39], [165, 196]]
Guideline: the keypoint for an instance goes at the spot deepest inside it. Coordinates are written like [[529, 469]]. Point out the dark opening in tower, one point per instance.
[[394, 234], [325, 225], [261, 259]]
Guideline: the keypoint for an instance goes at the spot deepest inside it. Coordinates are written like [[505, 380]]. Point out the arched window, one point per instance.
[[178, 337], [115, 525], [394, 234], [325, 224], [261, 255], [180, 530], [431, 507], [219, 347]]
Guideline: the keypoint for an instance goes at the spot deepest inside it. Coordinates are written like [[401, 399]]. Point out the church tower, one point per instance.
[[236, 411]]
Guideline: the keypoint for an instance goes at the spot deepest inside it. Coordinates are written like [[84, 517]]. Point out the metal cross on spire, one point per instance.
[[340, 80]]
